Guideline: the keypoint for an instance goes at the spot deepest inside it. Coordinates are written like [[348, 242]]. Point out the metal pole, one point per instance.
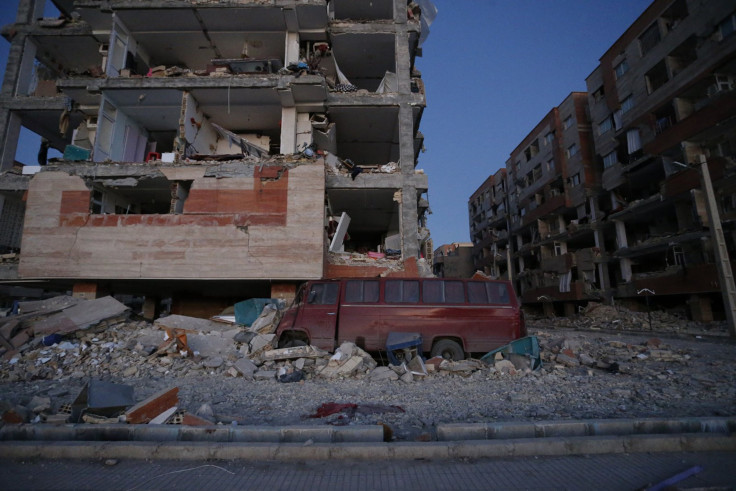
[[725, 273]]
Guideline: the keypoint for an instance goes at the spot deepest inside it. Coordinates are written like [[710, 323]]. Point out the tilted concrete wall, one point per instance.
[[231, 228]]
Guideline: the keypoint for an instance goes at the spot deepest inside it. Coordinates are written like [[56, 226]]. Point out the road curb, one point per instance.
[[254, 451]]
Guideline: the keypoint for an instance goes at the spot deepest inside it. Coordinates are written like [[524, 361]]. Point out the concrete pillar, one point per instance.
[[150, 308], [10, 125], [283, 291], [549, 309], [86, 291], [291, 54], [700, 308], [622, 241], [288, 130]]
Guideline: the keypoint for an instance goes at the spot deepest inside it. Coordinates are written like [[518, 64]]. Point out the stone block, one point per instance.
[[246, 367]]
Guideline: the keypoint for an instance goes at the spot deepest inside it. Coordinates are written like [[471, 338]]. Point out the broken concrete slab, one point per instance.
[[265, 375], [164, 416], [146, 410], [47, 306], [102, 399], [383, 373], [352, 365], [260, 343], [80, 316], [195, 324], [291, 353], [246, 367]]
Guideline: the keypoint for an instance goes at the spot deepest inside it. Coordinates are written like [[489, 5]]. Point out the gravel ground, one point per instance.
[[671, 375]]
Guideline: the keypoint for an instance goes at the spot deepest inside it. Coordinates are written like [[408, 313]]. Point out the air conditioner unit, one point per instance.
[[723, 83]]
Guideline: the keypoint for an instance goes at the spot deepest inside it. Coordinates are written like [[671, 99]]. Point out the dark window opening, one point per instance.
[[130, 196]]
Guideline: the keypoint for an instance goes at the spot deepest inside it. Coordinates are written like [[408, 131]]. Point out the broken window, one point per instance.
[[656, 77], [599, 93], [144, 196], [727, 27], [650, 38], [683, 56]]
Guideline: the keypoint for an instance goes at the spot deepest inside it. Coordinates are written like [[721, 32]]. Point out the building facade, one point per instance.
[[613, 208], [453, 260], [215, 149]]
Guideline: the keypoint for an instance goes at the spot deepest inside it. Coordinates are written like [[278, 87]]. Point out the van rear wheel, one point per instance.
[[448, 349]]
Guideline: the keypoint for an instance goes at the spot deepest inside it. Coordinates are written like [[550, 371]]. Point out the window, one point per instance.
[[323, 294], [650, 38], [627, 104], [727, 28], [572, 150], [599, 93], [443, 292], [567, 123], [550, 165], [402, 291], [610, 159], [621, 68], [605, 125], [360, 291], [549, 138], [498, 292], [575, 180], [477, 292]]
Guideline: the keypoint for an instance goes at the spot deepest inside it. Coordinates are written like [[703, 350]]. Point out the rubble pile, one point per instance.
[[224, 372], [599, 316]]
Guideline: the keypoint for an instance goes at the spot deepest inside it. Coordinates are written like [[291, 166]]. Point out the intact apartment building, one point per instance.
[[623, 216], [214, 150]]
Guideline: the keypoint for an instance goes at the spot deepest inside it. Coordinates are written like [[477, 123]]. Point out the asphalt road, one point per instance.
[[599, 472]]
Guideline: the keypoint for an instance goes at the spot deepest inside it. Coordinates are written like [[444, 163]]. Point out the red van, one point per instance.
[[454, 316]]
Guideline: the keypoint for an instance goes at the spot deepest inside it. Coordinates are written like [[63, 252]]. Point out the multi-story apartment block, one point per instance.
[[214, 149], [603, 199], [663, 97], [488, 213]]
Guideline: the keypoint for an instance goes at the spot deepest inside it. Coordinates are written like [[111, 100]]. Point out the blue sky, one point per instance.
[[492, 69]]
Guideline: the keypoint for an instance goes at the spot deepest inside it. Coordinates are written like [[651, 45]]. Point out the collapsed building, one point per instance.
[[213, 150], [604, 199]]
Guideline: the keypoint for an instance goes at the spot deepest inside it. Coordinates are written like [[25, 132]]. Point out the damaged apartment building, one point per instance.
[[603, 200], [214, 150]]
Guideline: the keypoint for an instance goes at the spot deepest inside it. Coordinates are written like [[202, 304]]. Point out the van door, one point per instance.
[[319, 313]]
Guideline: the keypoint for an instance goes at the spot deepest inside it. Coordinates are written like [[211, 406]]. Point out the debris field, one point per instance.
[[198, 371]]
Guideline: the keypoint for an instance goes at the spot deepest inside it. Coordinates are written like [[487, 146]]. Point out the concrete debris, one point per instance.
[[597, 316], [148, 409], [268, 321], [80, 316]]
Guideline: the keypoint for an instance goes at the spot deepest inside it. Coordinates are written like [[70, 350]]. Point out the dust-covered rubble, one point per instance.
[[247, 380]]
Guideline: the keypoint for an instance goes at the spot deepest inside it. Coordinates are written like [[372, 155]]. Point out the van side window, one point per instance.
[[323, 294], [432, 292], [477, 292], [498, 292], [454, 292], [439, 291], [361, 291], [401, 291]]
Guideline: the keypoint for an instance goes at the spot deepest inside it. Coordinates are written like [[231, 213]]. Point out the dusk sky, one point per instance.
[[492, 69]]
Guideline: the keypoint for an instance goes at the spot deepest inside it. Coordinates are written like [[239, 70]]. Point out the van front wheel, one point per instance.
[[448, 349]]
